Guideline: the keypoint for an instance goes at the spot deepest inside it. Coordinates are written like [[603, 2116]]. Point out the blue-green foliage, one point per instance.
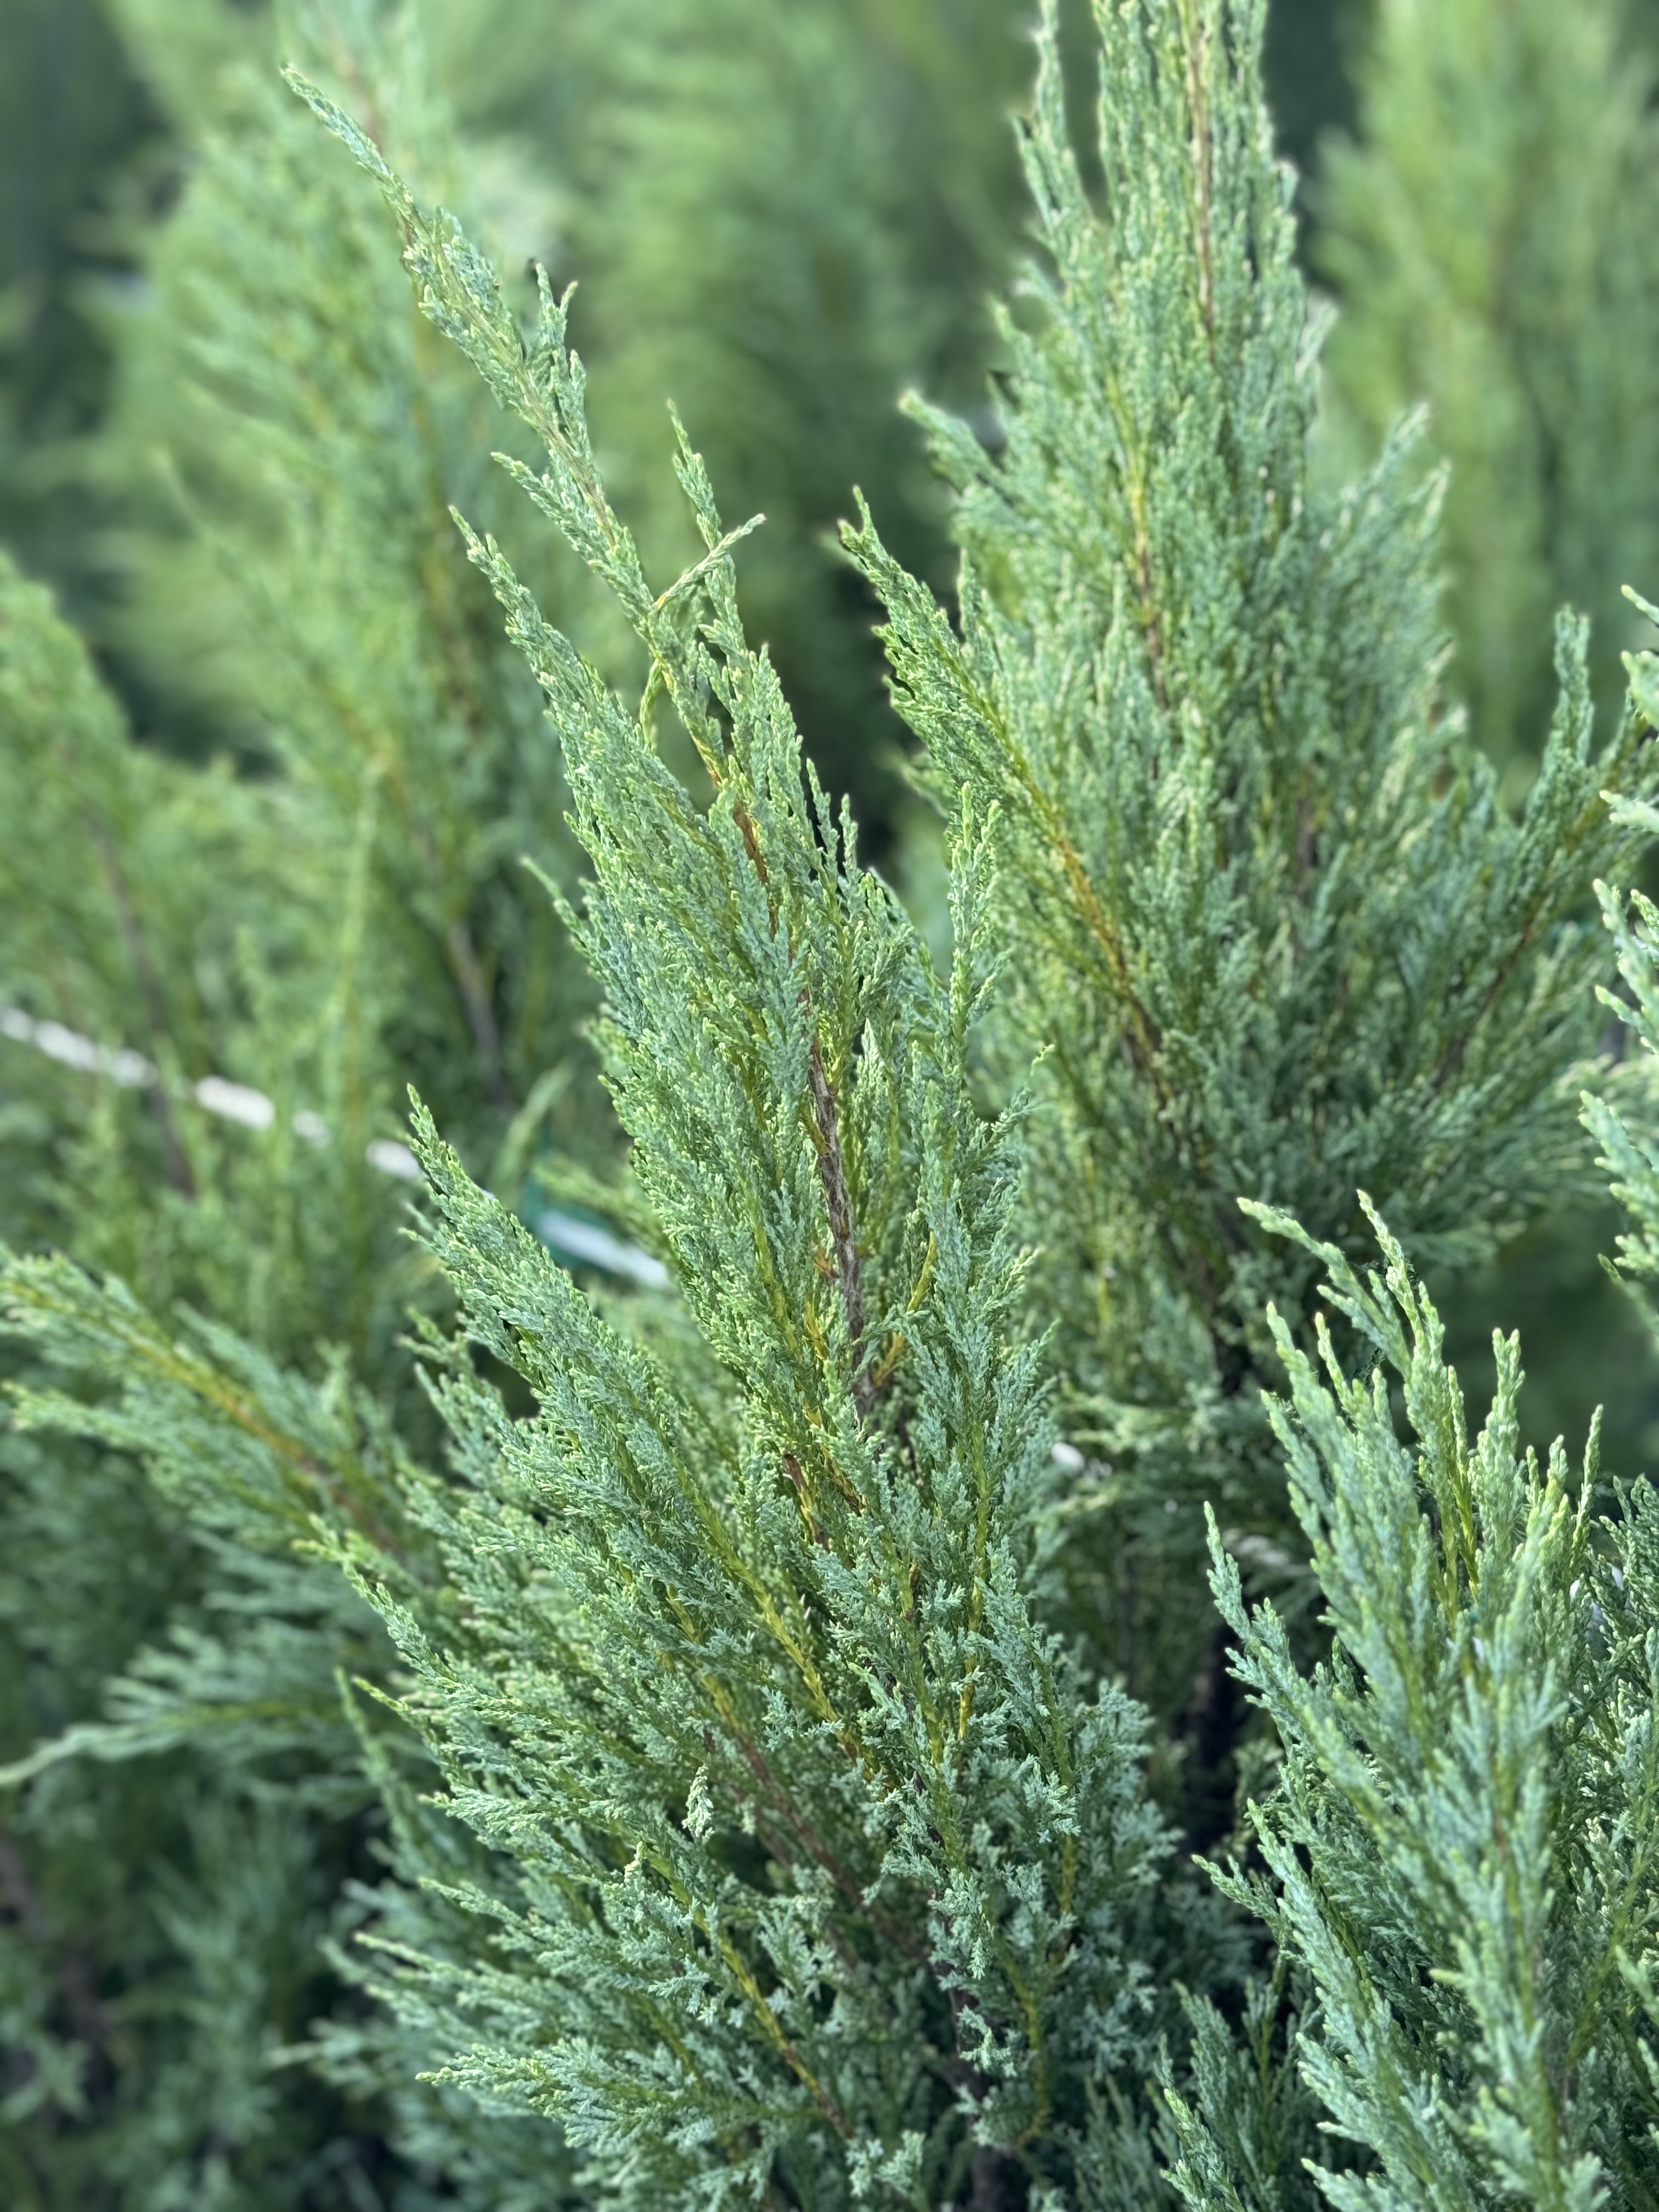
[[1619, 1114], [1458, 1847], [130, 888], [855, 197], [704, 1701], [792, 1607], [311, 600], [295, 941], [1491, 237], [1266, 916], [287, 436]]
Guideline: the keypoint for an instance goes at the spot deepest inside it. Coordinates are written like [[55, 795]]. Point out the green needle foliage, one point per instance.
[[1455, 1860], [1492, 237], [1266, 916], [281, 943], [1458, 1850], [757, 1720], [128, 886], [317, 607], [1456, 1857], [855, 197], [764, 1776], [782, 215]]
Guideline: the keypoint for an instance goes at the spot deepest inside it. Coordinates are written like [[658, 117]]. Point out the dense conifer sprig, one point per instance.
[[705, 1697], [831, 1570], [1267, 917]]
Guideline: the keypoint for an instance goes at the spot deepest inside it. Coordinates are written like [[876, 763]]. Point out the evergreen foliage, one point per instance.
[[1268, 921], [290, 582], [786, 319], [793, 1611], [1457, 1851], [1491, 237], [756, 1716], [845, 232], [212, 949], [78, 148], [1455, 1858], [316, 606]]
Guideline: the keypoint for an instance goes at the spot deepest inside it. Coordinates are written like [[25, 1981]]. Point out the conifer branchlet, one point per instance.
[[743, 1736]]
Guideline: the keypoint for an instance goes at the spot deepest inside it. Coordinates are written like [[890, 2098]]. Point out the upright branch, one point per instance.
[[787, 1586], [1269, 926]]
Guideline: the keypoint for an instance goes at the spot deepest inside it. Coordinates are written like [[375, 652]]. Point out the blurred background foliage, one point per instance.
[[275, 837], [783, 280]]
